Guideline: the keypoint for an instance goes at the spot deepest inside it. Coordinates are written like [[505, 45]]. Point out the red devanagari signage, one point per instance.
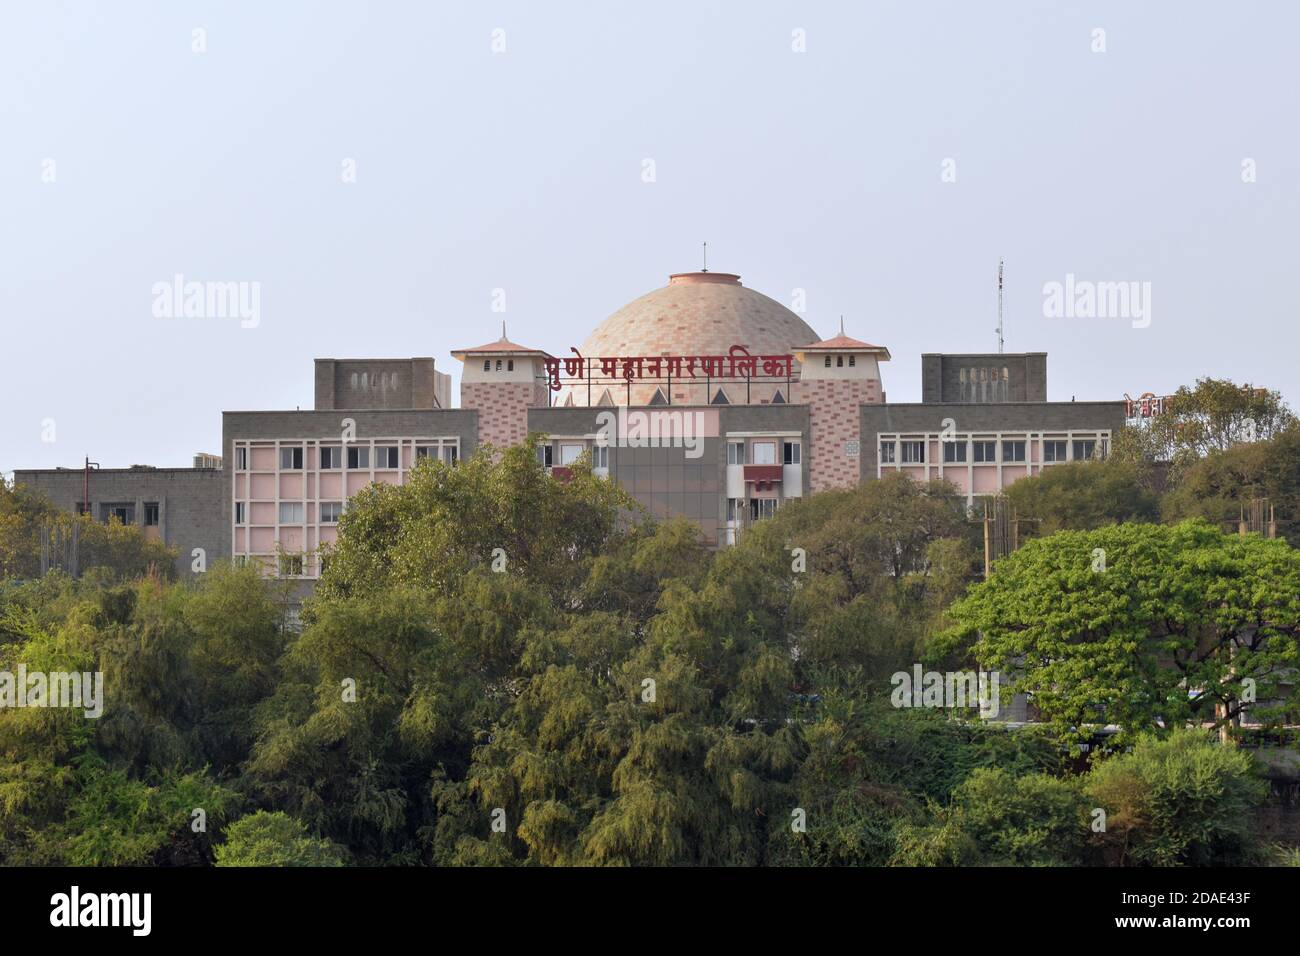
[[737, 363], [1146, 405]]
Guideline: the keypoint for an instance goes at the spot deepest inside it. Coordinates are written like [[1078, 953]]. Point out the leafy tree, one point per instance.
[[275, 839], [1080, 496], [106, 551], [1183, 800], [1144, 626], [1220, 485], [998, 819], [1212, 415]]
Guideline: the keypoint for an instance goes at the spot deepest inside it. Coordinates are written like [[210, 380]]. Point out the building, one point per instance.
[[703, 398]]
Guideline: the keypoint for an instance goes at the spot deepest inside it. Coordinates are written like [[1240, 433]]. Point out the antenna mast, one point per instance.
[[706, 258], [999, 306]]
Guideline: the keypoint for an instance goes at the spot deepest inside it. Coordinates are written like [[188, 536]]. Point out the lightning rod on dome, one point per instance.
[[706, 258]]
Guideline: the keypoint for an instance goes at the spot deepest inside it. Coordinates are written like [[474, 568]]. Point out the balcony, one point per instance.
[[763, 476]]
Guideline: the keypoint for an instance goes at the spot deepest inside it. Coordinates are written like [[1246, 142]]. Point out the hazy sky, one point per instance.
[[523, 170]]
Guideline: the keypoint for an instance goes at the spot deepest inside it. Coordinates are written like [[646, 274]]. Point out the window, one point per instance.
[[790, 452], [123, 513], [570, 453], [1054, 451], [1013, 451], [839, 361], [913, 452], [330, 511], [600, 456], [544, 455], [331, 457], [487, 365], [1084, 449], [985, 450], [510, 365], [888, 452], [498, 365], [358, 457], [291, 459], [422, 451], [241, 459], [240, 514], [735, 453], [290, 565], [290, 512], [954, 451], [386, 457], [853, 361], [761, 508], [765, 453], [450, 454], [151, 514]]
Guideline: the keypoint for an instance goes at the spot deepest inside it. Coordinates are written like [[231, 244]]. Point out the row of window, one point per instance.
[[358, 457], [487, 365], [759, 508], [291, 512], [125, 513], [764, 453], [569, 453], [839, 361], [981, 451]]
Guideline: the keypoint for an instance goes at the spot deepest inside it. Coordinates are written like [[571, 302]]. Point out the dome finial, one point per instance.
[[841, 325], [503, 330], [706, 258]]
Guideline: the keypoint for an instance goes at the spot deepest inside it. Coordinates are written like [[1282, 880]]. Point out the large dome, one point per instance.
[[697, 313]]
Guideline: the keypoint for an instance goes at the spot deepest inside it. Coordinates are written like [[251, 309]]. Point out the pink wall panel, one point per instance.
[[263, 486], [263, 459], [357, 481], [986, 480], [263, 539], [329, 534], [291, 486], [292, 539], [262, 512], [331, 487]]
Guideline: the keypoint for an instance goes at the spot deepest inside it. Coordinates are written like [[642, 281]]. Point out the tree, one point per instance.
[[998, 819], [110, 551], [1143, 626], [1220, 485], [1080, 496], [1213, 415], [1184, 800], [275, 839]]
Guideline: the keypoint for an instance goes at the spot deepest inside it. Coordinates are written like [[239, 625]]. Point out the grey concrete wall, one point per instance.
[[941, 374], [1029, 416], [664, 480], [375, 389], [190, 513]]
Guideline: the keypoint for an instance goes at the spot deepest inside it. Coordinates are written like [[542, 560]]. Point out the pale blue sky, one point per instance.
[[522, 170]]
